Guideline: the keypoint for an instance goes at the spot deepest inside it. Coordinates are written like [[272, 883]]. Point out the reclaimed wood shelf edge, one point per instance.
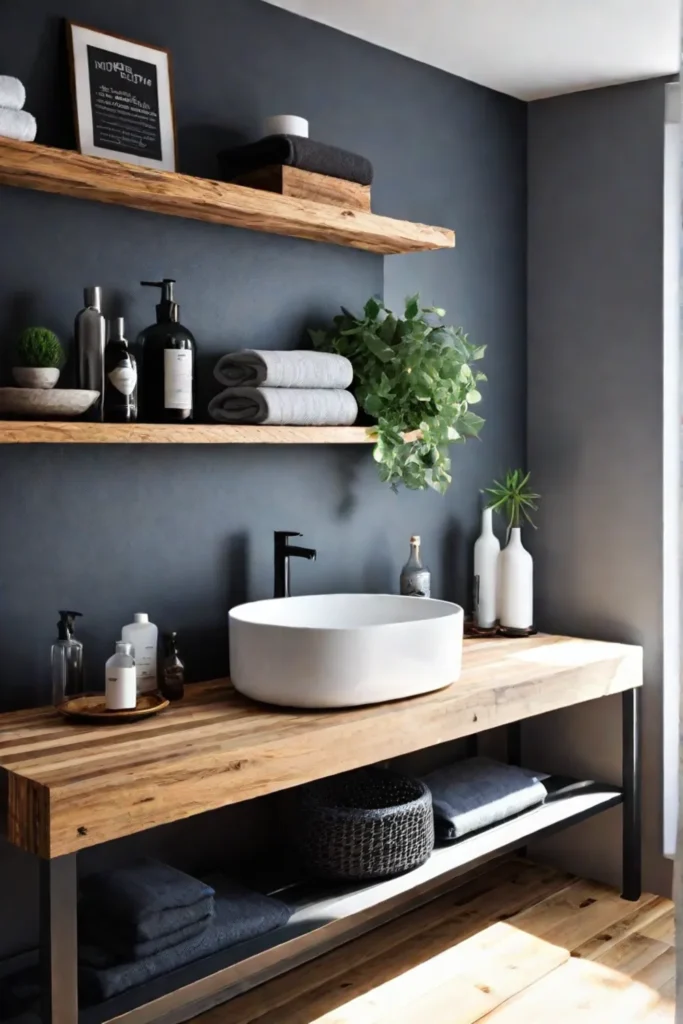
[[75, 432], [65, 172]]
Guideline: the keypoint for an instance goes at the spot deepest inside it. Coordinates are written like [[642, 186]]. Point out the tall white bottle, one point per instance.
[[486, 554], [516, 582], [144, 636]]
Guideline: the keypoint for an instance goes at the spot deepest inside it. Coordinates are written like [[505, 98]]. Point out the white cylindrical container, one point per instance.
[[516, 582], [286, 124], [144, 636], [120, 685], [486, 553]]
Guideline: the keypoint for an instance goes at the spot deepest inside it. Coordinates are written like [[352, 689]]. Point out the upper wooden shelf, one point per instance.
[[81, 432], [71, 787], [27, 165]]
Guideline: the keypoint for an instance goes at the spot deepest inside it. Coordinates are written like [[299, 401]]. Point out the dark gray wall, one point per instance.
[[185, 532], [595, 426]]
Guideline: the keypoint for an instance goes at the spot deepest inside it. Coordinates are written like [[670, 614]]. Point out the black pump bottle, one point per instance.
[[169, 355]]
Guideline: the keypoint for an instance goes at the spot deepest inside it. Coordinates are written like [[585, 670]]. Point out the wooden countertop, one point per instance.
[[70, 787]]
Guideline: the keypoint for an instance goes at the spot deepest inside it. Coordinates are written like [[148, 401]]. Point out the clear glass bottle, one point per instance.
[[172, 674], [67, 660], [416, 579]]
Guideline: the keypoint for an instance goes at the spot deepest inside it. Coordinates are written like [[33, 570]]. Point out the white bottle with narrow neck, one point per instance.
[[120, 687], [516, 584], [144, 636], [486, 552]]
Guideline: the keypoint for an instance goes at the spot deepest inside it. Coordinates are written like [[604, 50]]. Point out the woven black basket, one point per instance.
[[370, 823]]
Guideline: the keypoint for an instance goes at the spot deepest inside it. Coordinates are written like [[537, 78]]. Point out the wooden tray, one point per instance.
[[472, 630], [91, 707]]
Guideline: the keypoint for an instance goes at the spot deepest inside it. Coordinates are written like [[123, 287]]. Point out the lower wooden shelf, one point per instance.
[[326, 917], [80, 432]]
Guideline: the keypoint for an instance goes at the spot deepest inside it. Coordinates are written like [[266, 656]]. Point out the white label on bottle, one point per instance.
[[120, 689], [124, 379], [146, 668], [178, 378]]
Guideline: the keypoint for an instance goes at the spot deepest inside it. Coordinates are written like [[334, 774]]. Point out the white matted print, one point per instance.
[[123, 98]]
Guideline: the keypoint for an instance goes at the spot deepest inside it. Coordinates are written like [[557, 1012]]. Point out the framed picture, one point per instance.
[[123, 98]]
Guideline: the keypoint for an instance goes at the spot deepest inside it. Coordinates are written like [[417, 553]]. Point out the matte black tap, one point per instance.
[[283, 552]]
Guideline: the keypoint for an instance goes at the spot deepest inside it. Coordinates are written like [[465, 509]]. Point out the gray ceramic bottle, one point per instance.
[[90, 333], [416, 579]]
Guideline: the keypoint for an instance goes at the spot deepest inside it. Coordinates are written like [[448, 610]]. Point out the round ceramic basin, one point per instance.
[[342, 650]]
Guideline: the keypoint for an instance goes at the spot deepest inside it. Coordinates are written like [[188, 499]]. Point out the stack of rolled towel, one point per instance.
[[15, 122], [298, 388]]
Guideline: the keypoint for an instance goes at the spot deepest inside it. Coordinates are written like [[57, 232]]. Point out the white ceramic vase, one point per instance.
[[486, 555], [516, 584], [35, 376]]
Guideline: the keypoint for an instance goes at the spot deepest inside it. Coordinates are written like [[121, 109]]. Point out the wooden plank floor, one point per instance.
[[517, 944]]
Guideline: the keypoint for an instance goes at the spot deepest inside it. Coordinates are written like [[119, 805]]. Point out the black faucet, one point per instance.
[[283, 552]]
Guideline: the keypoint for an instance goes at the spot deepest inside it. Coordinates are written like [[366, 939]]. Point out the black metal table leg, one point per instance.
[[631, 772], [59, 940], [472, 745], [514, 743]]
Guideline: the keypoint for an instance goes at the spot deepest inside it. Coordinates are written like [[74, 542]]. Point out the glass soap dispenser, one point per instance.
[[416, 579], [67, 660]]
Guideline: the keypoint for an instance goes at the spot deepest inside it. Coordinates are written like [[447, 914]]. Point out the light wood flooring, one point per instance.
[[516, 944]]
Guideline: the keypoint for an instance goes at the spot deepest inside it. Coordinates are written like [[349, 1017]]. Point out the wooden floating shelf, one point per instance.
[[65, 172], [77, 432]]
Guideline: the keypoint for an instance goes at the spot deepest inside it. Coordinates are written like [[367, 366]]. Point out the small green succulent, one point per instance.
[[513, 497], [39, 347]]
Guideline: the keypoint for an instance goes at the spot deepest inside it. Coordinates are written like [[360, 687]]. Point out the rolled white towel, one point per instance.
[[298, 369], [293, 407], [12, 92], [17, 124]]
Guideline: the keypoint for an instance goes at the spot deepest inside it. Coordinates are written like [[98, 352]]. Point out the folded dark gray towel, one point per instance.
[[141, 896], [295, 151], [131, 935], [241, 914], [303, 407], [102, 946], [477, 792], [292, 369]]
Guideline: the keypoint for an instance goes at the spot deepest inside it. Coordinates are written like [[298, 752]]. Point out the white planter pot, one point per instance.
[[35, 376], [516, 584], [486, 555]]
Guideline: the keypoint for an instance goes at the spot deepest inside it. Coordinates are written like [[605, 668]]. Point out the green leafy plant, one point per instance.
[[39, 347], [512, 497], [411, 373]]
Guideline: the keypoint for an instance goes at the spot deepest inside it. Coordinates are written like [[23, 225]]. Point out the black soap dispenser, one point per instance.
[[169, 355]]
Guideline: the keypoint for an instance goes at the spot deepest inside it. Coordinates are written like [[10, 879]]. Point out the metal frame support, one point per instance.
[[631, 785], [59, 940], [514, 743]]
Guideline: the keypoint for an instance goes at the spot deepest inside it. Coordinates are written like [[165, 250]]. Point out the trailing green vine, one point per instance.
[[411, 373]]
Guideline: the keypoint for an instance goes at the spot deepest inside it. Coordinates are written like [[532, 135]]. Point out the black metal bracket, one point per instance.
[[631, 784]]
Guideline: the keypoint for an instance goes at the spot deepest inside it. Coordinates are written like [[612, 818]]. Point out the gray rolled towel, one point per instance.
[[477, 792], [12, 92], [241, 914], [298, 369], [302, 407], [17, 124]]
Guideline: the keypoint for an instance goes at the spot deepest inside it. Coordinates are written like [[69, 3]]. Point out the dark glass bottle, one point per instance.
[[169, 355], [120, 378], [172, 671]]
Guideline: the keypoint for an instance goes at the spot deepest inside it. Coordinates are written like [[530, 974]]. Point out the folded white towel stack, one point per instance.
[[299, 388], [15, 122]]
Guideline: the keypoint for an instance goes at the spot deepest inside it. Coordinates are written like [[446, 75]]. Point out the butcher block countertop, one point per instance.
[[74, 786]]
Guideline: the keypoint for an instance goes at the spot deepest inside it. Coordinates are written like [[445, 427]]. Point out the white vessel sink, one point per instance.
[[341, 650]]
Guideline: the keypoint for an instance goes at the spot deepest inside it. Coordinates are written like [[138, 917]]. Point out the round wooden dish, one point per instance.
[[91, 707]]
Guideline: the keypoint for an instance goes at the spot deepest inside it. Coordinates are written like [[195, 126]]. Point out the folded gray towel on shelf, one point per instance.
[[141, 899], [298, 369], [104, 946], [17, 124], [241, 914], [477, 792], [295, 151], [12, 92], [303, 407]]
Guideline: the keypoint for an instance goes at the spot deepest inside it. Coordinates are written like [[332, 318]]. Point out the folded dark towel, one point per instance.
[[126, 936], [140, 897], [295, 151], [241, 914], [103, 946]]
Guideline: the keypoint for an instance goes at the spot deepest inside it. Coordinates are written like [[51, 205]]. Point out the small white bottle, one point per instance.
[[144, 637], [120, 687], [516, 584], [486, 553]]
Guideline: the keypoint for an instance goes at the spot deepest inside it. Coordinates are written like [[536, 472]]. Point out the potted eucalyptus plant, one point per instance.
[[414, 376], [513, 497], [40, 358]]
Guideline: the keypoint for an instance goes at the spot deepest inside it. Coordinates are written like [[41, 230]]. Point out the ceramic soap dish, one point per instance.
[[91, 707], [43, 404]]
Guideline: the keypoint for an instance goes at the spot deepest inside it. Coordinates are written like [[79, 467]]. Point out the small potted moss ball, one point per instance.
[[40, 357]]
